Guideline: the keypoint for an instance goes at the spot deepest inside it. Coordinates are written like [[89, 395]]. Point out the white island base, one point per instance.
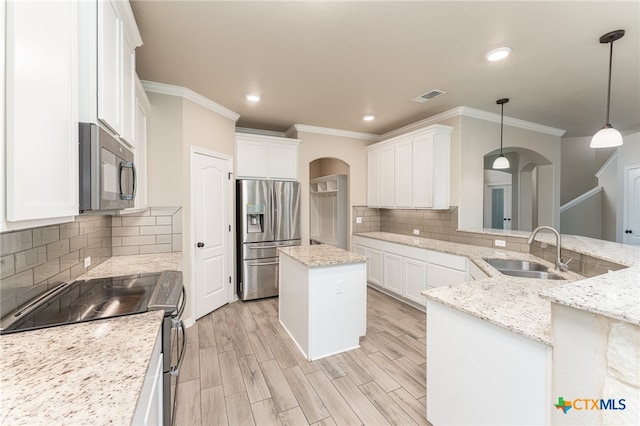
[[323, 308]]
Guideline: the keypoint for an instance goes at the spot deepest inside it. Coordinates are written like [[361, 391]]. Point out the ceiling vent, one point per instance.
[[429, 95]]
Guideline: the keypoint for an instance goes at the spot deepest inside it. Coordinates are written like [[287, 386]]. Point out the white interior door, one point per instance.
[[210, 200], [631, 221]]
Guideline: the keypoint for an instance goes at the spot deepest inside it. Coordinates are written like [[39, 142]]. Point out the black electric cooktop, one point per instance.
[[81, 301]]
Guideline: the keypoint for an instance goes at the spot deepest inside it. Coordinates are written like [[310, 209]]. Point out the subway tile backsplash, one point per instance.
[[35, 260], [155, 230], [434, 224]]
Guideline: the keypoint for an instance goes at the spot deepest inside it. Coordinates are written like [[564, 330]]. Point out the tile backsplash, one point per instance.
[[155, 230], [35, 260], [434, 224]]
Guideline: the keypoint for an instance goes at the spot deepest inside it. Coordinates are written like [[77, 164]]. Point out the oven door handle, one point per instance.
[[263, 264], [183, 303], [175, 369]]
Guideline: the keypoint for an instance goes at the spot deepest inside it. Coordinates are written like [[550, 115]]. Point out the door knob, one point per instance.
[[200, 244]]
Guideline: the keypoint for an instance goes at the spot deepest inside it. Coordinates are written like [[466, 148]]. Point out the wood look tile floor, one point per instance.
[[242, 368]]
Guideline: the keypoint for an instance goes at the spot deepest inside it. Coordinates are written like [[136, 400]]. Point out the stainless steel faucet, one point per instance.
[[559, 265]]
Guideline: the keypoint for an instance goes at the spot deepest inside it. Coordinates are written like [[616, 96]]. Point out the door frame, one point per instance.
[[625, 201], [193, 151]]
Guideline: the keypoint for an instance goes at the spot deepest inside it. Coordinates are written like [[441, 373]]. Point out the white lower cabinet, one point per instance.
[[392, 266], [407, 271], [149, 409]]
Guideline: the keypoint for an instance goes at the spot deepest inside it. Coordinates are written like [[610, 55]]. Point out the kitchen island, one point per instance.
[[323, 298]]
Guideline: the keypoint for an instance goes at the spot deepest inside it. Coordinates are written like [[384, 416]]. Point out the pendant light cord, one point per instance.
[[502, 124], [609, 87]]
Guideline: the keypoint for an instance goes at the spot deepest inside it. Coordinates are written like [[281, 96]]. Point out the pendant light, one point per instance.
[[608, 136], [501, 162]]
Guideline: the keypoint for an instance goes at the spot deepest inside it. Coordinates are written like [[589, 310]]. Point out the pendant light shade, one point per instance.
[[608, 136], [501, 162]]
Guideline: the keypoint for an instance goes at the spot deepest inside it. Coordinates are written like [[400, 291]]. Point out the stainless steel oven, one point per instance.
[[99, 298], [107, 171]]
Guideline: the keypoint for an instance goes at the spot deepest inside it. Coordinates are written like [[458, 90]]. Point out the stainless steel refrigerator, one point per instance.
[[267, 217]]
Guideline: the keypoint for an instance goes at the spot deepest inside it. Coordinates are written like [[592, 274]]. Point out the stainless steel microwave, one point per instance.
[[107, 172]]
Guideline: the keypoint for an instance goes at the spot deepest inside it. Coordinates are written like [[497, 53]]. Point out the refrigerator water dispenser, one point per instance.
[[255, 218]]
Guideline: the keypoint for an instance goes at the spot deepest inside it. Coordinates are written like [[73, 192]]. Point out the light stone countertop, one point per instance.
[[135, 264], [321, 255], [89, 373], [522, 305]]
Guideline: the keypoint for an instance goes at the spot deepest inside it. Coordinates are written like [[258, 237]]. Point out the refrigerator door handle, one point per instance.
[[264, 263]]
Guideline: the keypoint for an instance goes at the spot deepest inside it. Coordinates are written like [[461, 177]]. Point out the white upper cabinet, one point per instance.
[[410, 171], [108, 39], [40, 141], [266, 157]]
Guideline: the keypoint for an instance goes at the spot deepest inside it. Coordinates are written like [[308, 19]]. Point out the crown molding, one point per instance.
[[190, 95], [419, 125], [130, 26], [510, 121], [332, 132], [248, 130], [474, 113]]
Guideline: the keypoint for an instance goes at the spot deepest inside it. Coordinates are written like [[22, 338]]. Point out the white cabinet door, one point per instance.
[[387, 177], [440, 276], [110, 33], [392, 272], [251, 158], [373, 177], [361, 250], [414, 280], [41, 132], [422, 190], [128, 93], [283, 161], [403, 173], [374, 266]]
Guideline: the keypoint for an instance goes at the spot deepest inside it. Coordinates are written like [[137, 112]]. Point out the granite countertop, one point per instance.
[[135, 264], [320, 255], [86, 373], [521, 304]]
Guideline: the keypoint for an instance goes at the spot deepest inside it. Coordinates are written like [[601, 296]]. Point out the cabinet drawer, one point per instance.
[[439, 276], [448, 260], [367, 242], [406, 251]]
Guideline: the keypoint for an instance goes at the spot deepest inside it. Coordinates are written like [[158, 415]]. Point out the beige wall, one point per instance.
[[479, 137], [580, 163], [164, 152], [350, 150], [175, 126]]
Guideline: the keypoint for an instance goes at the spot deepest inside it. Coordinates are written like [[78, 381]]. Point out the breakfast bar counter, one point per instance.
[[323, 298]]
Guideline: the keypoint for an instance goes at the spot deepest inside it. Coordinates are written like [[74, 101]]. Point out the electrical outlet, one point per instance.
[[339, 289], [416, 232], [87, 261], [358, 219], [500, 243]]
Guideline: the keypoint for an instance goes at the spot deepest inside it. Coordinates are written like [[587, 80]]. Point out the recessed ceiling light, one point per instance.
[[498, 54], [368, 117], [253, 98]]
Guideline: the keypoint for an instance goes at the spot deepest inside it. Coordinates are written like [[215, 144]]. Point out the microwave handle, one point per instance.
[[127, 165]]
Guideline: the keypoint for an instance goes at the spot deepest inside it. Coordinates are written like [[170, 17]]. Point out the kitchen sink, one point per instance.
[[523, 268]]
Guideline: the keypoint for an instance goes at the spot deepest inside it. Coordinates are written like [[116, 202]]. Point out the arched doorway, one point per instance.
[[329, 202]]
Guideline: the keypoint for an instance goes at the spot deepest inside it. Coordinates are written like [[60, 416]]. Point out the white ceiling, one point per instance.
[[329, 63]]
